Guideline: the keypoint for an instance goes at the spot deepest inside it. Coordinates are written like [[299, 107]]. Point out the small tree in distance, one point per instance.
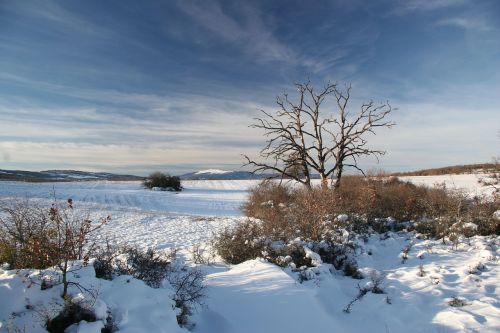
[[303, 138], [163, 181]]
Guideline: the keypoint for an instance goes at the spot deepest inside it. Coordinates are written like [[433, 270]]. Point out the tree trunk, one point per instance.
[[324, 181], [338, 176], [306, 173]]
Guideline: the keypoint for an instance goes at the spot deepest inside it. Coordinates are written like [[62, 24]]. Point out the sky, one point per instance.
[[137, 86]]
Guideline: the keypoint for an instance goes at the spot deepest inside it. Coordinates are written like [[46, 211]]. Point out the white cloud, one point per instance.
[[249, 31], [114, 156], [66, 21], [465, 23], [403, 7], [123, 129]]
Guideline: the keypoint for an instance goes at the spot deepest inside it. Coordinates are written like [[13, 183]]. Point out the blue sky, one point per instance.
[[136, 86]]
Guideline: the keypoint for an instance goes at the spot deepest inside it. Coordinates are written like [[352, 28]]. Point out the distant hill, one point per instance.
[[215, 174], [455, 169], [62, 176]]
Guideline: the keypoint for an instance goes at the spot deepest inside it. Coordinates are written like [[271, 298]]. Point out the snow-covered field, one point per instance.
[[465, 182], [257, 296], [148, 218]]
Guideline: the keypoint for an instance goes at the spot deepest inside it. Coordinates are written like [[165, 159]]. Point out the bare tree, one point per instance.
[[304, 139]]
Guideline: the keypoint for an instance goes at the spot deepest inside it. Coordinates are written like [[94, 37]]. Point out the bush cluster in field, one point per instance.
[[324, 216], [163, 181]]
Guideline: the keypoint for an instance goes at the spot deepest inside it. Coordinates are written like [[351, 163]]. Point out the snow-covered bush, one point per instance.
[[149, 266], [376, 280], [328, 219], [457, 302], [154, 267], [203, 255], [421, 272], [341, 254], [72, 313], [106, 260], [33, 237], [477, 268], [370, 204], [374, 286], [492, 179], [241, 243], [189, 291], [162, 181]]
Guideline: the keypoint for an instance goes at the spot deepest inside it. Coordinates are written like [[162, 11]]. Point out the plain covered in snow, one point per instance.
[[437, 288]]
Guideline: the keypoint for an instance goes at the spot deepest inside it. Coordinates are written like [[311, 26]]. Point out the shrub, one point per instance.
[[374, 286], [202, 255], [288, 213], [492, 179], [340, 254], [457, 302], [321, 217], [25, 235], [163, 181], [359, 205], [72, 313], [241, 243], [153, 267], [292, 254], [106, 261], [32, 237], [148, 266], [189, 291], [361, 293], [379, 204]]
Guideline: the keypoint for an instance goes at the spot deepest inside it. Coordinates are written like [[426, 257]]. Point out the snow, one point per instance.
[[135, 306], [470, 225], [206, 198], [315, 258], [464, 182], [85, 327], [147, 218], [212, 171], [257, 296], [342, 218]]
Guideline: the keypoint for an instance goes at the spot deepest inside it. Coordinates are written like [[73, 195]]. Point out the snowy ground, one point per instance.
[[147, 218], [257, 296], [466, 182], [260, 297]]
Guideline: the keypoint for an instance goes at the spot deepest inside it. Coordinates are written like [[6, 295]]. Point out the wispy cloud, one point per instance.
[[466, 23], [249, 31], [407, 6], [125, 129], [56, 14], [426, 127]]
